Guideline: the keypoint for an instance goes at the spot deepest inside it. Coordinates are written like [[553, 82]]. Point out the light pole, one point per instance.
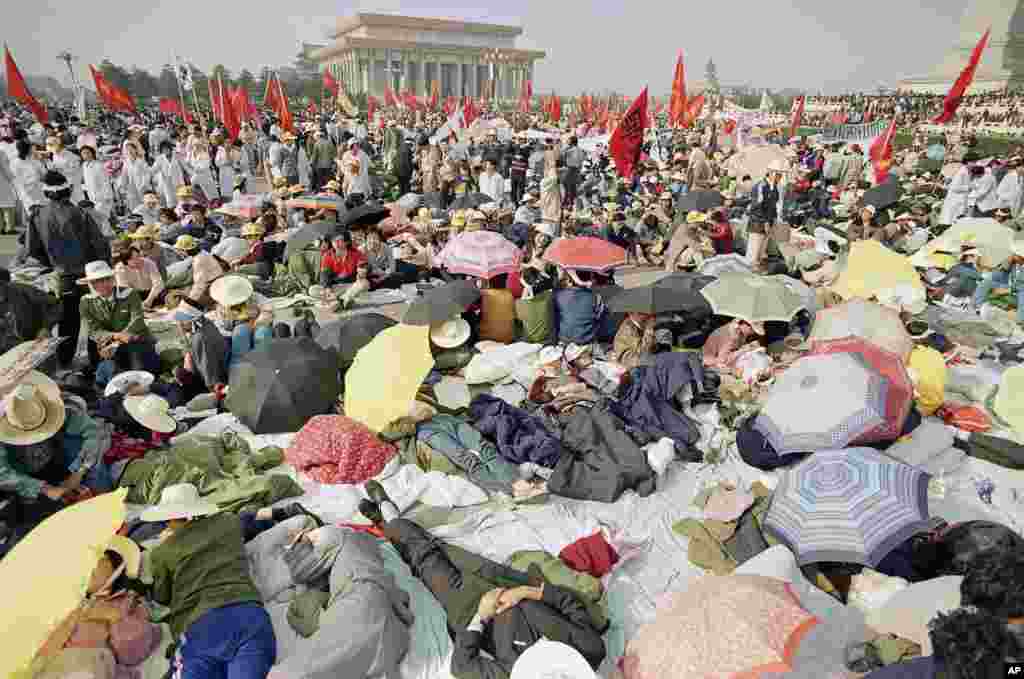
[[76, 86]]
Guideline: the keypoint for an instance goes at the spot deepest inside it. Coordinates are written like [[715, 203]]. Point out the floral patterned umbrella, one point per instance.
[[721, 627], [481, 254]]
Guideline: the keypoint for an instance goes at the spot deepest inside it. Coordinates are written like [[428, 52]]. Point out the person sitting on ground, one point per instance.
[[385, 271], [26, 312], [635, 341], [819, 272], [238, 316], [51, 452], [535, 309], [149, 209], [170, 226], [497, 311], [578, 310], [147, 240], [135, 272], [723, 345], [204, 365], [119, 338], [201, 573], [339, 260], [253, 263], [720, 231], [489, 606]]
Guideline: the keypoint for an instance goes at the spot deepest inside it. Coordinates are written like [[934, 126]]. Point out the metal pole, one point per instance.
[[181, 91]]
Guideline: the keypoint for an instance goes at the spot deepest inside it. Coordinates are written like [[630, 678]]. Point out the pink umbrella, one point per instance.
[[585, 253], [481, 254], [899, 390]]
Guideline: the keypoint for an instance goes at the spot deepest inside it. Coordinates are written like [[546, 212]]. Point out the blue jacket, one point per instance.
[[578, 313]]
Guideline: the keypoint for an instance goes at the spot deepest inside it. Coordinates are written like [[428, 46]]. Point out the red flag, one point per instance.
[[170, 106], [113, 97], [311, 110], [410, 101], [232, 120], [371, 107], [449, 106], [694, 107], [556, 108], [270, 99], [729, 127], [389, 97], [526, 96], [287, 123], [956, 93], [798, 115], [628, 137], [469, 111], [677, 105], [881, 153], [330, 84], [246, 109], [17, 89]]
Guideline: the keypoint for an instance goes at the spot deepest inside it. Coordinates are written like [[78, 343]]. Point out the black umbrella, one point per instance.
[[432, 200], [348, 335], [308, 234], [470, 201], [674, 292], [282, 383], [368, 214], [883, 195], [700, 201], [441, 303]]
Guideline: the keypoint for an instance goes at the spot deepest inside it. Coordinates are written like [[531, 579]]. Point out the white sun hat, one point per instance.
[[152, 412], [96, 271], [122, 380], [450, 334], [231, 291], [32, 412], [551, 660], [180, 501]]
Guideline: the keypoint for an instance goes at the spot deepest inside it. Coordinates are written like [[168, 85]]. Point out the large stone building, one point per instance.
[[370, 51], [1002, 64]]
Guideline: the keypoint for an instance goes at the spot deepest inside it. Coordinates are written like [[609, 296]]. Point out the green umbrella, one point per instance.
[[754, 299]]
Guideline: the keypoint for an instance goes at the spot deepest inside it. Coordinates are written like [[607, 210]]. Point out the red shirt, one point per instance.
[[721, 237], [343, 267], [255, 254]]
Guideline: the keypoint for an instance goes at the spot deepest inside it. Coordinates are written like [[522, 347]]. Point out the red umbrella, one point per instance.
[[585, 253], [899, 395]]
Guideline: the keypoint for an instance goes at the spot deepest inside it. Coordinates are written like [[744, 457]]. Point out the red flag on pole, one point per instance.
[[694, 107], [798, 115], [287, 123], [232, 118], [435, 94], [18, 90], [469, 111], [956, 93], [881, 153], [113, 97], [389, 97], [371, 107], [311, 110], [330, 84], [628, 137], [270, 95], [556, 108], [677, 105], [214, 101], [526, 96]]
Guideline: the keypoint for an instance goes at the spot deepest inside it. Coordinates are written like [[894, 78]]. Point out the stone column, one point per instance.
[[471, 79], [365, 65]]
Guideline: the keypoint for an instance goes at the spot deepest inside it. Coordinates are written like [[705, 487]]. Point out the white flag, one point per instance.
[[184, 73]]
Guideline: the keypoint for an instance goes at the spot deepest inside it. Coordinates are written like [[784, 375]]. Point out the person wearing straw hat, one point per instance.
[[201, 573], [205, 364], [49, 449], [63, 237], [119, 337], [253, 263], [147, 239], [238, 315], [136, 272]]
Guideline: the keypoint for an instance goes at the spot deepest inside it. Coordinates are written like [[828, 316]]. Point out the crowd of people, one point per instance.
[[552, 379], [1004, 108]]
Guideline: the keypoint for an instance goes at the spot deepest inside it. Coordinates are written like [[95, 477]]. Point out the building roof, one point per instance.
[[348, 24], [343, 43]]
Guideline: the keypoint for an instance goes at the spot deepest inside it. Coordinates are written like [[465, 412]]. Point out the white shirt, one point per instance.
[[492, 185], [28, 181]]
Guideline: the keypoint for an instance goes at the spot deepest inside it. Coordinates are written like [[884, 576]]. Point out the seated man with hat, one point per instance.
[[49, 449], [254, 263], [135, 272], [1008, 277], [119, 337], [147, 240]]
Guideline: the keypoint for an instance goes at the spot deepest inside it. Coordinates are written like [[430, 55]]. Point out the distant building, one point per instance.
[[1002, 64], [371, 51]]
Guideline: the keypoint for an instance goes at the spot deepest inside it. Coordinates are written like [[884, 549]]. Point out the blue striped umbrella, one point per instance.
[[854, 505]]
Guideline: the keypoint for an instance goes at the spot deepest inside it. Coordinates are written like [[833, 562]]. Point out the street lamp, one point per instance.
[[68, 58]]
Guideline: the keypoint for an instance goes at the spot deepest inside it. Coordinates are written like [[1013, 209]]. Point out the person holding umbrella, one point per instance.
[[635, 341], [724, 345]]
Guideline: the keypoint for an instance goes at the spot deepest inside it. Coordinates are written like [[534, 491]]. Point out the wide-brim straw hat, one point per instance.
[[33, 411], [121, 380], [180, 501], [184, 192], [147, 231], [128, 550], [96, 271], [231, 291], [152, 412], [547, 659], [253, 229], [450, 334], [186, 242]]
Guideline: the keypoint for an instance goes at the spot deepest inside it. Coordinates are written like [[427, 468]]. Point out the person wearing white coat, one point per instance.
[[68, 164], [136, 177], [168, 174], [8, 198], [955, 205], [225, 160], [97, 183], [1011, 190], [360, 181], [202, 173], [983, 196], [28, 177]]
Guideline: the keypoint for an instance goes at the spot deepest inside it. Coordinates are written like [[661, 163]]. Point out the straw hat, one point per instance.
[[551, 660], [146, 231], [450, 334], [333, 185], [459, 219], [32, 412], [695, 217], [280, 182], [180, 501], [122, 380], [184, 192], [151, 411], [253, 229], [1009, 402], [129, 552], [186, 242], [296, 189], [231, 291], [96, 271]]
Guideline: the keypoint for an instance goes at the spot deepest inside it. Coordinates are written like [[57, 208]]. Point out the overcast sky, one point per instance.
[[833, 45]]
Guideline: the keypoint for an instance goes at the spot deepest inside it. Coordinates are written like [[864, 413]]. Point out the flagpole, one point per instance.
[[181, 90]]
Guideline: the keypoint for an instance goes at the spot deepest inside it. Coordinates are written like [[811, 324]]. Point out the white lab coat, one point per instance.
[[168, 175], [70, 166], [98, 185], [202, 175], [361, 182], [493, 186], [955, 204], [136, 178], [226, 168], [983, 192], [8, 197], [28, 181], [1011, 192]]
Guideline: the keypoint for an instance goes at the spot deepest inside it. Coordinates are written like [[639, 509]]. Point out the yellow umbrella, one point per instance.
[[46, 575], [382, 383], [872, 268], [993, 239]]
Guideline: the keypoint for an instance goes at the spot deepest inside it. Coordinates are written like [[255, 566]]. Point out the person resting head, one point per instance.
[[973, 644], [995, 583]]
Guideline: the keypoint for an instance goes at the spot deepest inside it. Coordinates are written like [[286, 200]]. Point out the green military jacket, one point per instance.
[[122, 312]]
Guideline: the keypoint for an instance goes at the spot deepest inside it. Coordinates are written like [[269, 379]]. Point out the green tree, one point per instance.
[[220, 70]]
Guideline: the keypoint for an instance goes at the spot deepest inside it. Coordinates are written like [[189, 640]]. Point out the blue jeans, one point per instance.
[[244, 339], [998, 279], [230, 642]]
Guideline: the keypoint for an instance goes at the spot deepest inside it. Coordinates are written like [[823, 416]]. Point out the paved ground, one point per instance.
[[8, 245]]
